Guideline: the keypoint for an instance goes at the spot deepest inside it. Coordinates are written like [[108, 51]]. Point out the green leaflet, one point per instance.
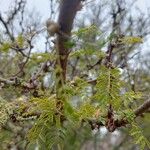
[[130, 40], [20, 41], [42, 57], [139, 138], [6, 110], [5, 47]]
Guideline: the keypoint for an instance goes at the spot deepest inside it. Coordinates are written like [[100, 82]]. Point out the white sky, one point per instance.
[[43, 6]]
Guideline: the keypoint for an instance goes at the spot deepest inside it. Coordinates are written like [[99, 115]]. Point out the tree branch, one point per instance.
[[143, 108], [68, 9], [6, 28]]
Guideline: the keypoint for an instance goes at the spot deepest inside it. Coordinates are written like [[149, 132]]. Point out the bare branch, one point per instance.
[[143, 108], [18, 6], [6, 28]]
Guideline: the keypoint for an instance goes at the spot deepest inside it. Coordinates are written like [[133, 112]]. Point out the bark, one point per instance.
[[68, 9], [143, 108]]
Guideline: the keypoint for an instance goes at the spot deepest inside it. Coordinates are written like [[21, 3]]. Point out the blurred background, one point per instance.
[[28, 17]]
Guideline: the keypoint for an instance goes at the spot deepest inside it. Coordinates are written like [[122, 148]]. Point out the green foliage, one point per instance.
[[6, 110], [130, 40], [20, 41], [5, 47], [109, 87], [46, 132], [72, 114], [76, 138], [69, 44], [52, 125], [130, 96], [42, 57], [129, 115], [47, 109], [87, 32], [80, 85], [88, 52], [86, 111], [139, 138]]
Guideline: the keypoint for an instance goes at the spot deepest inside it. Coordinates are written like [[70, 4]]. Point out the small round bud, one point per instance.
[[52, 27]]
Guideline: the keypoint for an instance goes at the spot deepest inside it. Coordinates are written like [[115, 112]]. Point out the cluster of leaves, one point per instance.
[[19, 42], [6, 110], [131, 40], [53, 124], [138, 136], [44, 130], [48, 130], [42, 57], [112, 90]]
